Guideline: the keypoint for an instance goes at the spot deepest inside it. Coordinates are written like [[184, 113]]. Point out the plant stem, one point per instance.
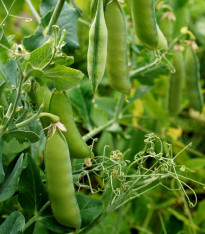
[[119, 220], [162, 223], [97, 130], [119, 107], [135, 72], [109, 123], [54, 118], [135, 116], [36, 216], [29, 120], [147, 220], [188, 213], [175, 41], [28, 224], [35, 13], [55, 15], [119, 204], [7, 12], [14, 107]]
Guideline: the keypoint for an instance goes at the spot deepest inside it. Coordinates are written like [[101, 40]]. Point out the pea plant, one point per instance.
[[101, 111]]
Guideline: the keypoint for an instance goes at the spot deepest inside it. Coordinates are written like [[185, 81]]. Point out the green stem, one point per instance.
[[119, 219], [175, 41], [162, 223], [109, 123], [36, 216], [7, 13], [85, 22], [28, 224], [97, 130], [55, 16], [14, 107], [135, 116], [147, 220], [135, 72], [119, 107], [29, 120], [54, 118], [35, 13], [188, 213]]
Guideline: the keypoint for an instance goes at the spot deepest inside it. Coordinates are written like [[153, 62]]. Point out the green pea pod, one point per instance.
[[97, 49], [117, 62], [181, 11], [175, 84], [60, 181], [61, 106], [146, 27], [166, 24], [43, 96], [192, 73]]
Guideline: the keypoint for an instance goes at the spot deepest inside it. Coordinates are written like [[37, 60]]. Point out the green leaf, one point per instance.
[[148, 76], [17, 141], [107, 104], [105, 139], [140, 91], [3, 40], [90, 208], [182, 218], [153, 106], [11, 72], [67, 20], [195, 163], [61, 76], [98, 117], [32, 71], [2, 173], [9, 186], [39, 228], [80, 104], [35, 40], [63, 59], [200, 214], [13, 224], [33, 194], [41, 56]]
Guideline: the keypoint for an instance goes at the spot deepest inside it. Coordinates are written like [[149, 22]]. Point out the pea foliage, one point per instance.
[[122, 93]]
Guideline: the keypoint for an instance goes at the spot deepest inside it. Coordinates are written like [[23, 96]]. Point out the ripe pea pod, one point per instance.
[[146, 27], [43, 95], [60, 181], [117, 62], [192, 72], [175, 84], [97, 49], [61, 106]]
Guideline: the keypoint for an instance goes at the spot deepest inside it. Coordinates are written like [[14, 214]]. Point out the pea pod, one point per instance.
[[192, 73], [175, 84], [61, 106], [166, 24], [117, 62], [97, 49], [43, 96], [60, 182], [146, 27]]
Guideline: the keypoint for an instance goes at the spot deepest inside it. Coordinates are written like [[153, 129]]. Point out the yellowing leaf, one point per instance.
[[138, 110], [175, 133]]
